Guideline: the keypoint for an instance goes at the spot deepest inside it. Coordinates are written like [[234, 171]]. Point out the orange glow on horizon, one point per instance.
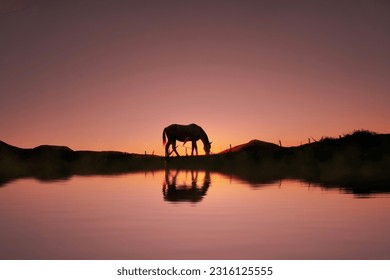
[[115, 75]]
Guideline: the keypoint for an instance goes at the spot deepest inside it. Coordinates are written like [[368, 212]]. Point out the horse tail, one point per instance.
[[163, 137]]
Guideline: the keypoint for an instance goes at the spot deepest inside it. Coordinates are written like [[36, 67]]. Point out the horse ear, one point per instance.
[[210, 143]]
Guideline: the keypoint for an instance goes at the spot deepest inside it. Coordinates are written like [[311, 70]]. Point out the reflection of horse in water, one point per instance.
[[185, 192], [184, 133]]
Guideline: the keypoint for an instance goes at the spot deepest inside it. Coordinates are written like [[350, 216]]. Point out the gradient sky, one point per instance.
[[110, 75]]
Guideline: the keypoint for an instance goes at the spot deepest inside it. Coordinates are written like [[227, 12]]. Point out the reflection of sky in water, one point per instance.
[[128, 217]]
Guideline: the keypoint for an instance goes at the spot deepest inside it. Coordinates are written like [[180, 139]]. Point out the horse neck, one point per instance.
[[204, 137]]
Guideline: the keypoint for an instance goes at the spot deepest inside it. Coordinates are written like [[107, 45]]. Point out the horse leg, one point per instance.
[[194, 178], [174, 148], [167, 149], [194, 147], [194, 175]]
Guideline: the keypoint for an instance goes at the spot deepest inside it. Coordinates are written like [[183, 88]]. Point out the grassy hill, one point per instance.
[[58, 162], [360, 161], [252, 145]]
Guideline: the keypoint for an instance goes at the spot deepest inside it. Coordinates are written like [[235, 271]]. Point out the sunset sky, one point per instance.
[[110, 75]]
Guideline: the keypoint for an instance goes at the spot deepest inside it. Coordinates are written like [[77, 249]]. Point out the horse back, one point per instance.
[[182, 133]]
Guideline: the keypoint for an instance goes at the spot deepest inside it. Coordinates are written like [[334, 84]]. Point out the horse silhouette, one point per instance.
[[185, 192], [185, 133]]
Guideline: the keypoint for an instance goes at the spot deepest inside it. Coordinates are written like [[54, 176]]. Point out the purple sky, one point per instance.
[[110, 75]]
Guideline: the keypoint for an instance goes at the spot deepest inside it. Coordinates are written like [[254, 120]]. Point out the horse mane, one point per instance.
[[204, 135]]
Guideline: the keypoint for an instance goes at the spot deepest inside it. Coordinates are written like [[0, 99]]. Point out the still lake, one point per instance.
[[189, 215]]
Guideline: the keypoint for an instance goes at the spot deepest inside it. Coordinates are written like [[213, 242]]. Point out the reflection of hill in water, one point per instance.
[[357, 163]]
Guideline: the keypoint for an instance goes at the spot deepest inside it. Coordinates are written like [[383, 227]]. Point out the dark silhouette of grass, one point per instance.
[[358, 162], [57, 162]]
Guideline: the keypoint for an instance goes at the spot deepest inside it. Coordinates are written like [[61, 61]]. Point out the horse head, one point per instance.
[[207, 148]]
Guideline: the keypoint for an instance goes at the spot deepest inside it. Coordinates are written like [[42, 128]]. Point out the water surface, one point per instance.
[[189, 215]]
